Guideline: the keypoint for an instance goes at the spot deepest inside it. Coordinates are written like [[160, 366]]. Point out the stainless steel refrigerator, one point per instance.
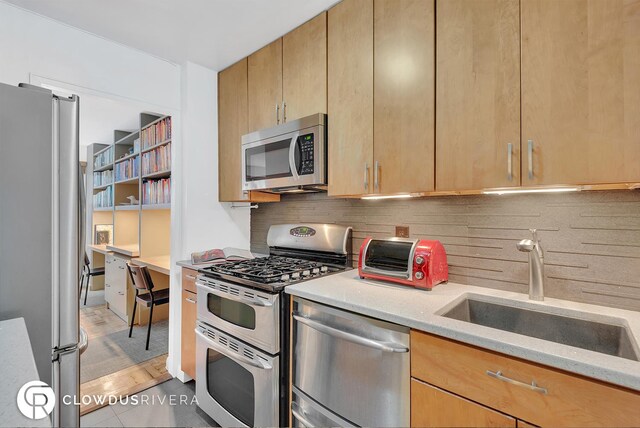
[[41, 243]]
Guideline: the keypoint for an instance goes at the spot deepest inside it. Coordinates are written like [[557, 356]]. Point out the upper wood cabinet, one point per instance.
[[350, 97], [478, 94], [304, 69], [404, 89], [232, 125], [398, 156], [265, 86], [580, 91]]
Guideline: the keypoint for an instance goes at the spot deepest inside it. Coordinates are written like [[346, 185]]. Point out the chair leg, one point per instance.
[[149, 327], [86, 289], [133, 316]]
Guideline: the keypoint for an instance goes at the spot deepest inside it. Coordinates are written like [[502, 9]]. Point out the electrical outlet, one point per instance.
[[402, 231]]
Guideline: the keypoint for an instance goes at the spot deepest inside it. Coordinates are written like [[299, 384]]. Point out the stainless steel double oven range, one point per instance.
[[242, 334]]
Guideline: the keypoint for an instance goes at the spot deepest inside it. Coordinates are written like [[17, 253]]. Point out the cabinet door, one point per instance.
[[404, 105], [580, 91], [188, 336], [232, 125], [304, 69], [434, 407], [350, 97], [265, 87], [478, 94]]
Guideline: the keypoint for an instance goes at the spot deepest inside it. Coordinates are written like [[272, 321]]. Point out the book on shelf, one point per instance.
[[228, 254], [104, 158], [156, 133], [156, 192], [127, 169], [102, 178], [104, 198], [157, 160]]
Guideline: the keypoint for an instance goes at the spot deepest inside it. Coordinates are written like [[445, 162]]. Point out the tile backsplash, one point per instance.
[[591, 239]]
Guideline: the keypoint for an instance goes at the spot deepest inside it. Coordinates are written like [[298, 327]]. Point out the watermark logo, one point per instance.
[[36, 399]]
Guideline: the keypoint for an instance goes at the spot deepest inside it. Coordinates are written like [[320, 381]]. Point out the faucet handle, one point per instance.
[[534, 232]]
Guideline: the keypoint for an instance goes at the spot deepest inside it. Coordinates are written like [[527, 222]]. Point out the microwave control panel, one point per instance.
[[306, 154]]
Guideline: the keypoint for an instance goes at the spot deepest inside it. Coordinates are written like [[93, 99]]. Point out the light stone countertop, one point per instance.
[[17, 368], [419, 309]]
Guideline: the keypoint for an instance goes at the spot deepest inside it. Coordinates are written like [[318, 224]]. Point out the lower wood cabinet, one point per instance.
[[434, 407], [189, 317], [491, 380]]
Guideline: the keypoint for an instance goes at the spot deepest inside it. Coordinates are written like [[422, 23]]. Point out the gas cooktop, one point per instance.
[[273, 272]]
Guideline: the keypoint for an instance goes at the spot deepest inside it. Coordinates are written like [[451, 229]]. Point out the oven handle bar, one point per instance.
[[371, 343], [298, 415], [238, 357], [252, 302]]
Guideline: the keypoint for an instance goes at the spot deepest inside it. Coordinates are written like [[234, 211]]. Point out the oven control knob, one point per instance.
[[419, 275], [306, 273], [324, 269], [419, 261]]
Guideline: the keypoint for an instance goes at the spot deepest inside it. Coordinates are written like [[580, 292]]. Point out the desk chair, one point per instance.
[[87, 273], [145, 295]]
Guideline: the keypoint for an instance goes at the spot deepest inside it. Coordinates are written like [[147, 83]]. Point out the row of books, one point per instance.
[[156, 133], [102, 178], [104, 198], [157, 160], [128, 169], [156, 191], [104, 158]]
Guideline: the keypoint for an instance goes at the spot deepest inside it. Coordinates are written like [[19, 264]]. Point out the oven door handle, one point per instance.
[[341, 334], [238, 357], [292, 155], [251, 302]]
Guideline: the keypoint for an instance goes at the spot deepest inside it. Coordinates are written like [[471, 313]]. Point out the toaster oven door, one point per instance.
[[389, 258]]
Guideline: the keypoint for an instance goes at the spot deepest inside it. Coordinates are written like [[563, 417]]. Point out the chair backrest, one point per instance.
[[86, 260], [140, 277]]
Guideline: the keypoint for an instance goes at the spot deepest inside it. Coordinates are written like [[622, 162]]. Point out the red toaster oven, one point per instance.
[[420, 263]]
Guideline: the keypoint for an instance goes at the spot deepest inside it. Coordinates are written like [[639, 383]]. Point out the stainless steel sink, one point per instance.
[[603, 337]]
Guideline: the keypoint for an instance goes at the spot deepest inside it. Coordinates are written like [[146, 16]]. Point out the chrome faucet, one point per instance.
[[536, 265]]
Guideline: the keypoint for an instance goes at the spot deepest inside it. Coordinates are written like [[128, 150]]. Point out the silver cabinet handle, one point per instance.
[[107, 285], [284, 112], [376, 169], [121, 267], [191, 277], [509, 162], [297, 413], [251, 302], [238, 357], [498, 375], [371, 343], [190, 300], [277, 114], [530, 160], [121, 293], [366, 176]]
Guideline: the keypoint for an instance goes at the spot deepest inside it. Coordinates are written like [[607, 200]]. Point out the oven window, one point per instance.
[[268, 161], [231, 386], [231, 311], [388, 255]]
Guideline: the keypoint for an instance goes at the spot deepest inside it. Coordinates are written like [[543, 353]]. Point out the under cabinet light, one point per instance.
[[404, 196], [520, 191]]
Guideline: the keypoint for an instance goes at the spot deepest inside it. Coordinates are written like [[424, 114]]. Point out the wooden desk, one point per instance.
[[129, 250], [102, 249], [159, 264]]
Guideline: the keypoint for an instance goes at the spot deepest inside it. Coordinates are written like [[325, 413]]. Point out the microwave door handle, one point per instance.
[[292, 155]]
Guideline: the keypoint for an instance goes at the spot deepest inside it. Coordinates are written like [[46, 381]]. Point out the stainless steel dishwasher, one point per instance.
[[348, 369]]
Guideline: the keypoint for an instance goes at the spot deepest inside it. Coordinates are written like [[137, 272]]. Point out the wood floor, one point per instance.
[[98, 321]]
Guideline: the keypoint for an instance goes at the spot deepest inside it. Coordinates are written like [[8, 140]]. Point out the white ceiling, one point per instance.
[[212, 33]]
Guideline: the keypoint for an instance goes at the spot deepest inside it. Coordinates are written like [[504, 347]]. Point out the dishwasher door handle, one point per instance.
[[341, 334]]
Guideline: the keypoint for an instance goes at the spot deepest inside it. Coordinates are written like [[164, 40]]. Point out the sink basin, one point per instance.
[[603, 337]]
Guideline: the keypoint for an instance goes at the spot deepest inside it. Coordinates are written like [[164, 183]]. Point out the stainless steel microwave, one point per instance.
[[291, 157]]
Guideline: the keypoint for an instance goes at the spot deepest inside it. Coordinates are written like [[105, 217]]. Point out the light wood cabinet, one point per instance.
[[560, 399], [304, 69], [404, 76], [434, 407], [232, 125], [265, 87], [478, 94], [580, 91], [350, 97], [188, 335]]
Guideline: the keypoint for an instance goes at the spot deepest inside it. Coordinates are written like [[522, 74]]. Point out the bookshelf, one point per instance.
[[138, 164]]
